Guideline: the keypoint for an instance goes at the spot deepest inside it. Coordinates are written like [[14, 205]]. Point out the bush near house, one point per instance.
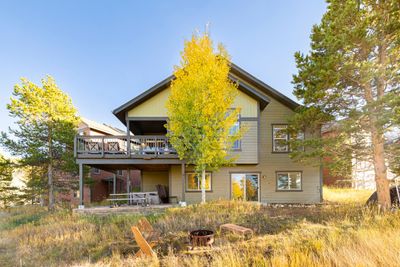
[[338, 233]]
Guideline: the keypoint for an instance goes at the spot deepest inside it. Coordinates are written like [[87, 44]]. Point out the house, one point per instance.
[[101, 182], [362, 173], [263, 171]]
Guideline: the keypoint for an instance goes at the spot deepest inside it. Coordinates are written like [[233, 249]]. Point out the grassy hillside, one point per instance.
[[339, 233]]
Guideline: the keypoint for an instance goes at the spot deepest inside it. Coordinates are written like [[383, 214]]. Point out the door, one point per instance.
[[245, 186]]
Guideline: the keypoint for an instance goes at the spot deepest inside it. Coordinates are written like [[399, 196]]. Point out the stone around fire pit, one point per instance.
[[201, 238]]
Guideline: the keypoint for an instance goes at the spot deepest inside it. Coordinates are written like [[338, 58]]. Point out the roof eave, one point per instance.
[[120, 111], [264, 87]]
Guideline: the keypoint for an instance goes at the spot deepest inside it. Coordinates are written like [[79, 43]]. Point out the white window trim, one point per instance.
[[287, 138], [199, 183], [96, 171], [279, 126], [287, 173]]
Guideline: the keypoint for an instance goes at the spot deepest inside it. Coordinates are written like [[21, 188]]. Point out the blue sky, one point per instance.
[[103, 53]]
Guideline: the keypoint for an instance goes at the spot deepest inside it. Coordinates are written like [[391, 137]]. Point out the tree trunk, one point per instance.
[[378, 141], [203, 186], [50, 172], [51, 189], [382, 183]]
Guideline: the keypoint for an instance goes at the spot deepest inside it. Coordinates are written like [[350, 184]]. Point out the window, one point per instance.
[[245, 186], [288, 181], [96, 171], [119, 172], [281, 137], [193, 181], [235, 129]]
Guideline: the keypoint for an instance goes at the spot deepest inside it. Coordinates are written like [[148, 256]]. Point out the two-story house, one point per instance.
[[263, 171]]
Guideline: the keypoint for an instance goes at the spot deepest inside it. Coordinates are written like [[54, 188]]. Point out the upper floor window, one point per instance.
[[234, 130], [281, 137], [119, 172], [96, 171]]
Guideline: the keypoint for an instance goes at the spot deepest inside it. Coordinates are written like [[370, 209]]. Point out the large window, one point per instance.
[[281, 137], [288, 181], [245, 186], [193, 182]]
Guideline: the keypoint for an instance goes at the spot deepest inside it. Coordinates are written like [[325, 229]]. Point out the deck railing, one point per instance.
[[140, 146]]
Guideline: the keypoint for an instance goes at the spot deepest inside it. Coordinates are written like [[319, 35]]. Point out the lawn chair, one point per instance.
[[146, 238]]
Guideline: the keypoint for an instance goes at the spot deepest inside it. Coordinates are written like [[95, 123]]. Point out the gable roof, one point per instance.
[[241, 73], [101, 127], [236, 74]]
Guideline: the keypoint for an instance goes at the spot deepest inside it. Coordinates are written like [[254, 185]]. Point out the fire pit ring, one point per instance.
[[201, 238]]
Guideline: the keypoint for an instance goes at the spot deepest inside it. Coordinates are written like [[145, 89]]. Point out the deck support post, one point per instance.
[[183, 181], [80, 184], [114, 183], [128, 139], [128, 182]]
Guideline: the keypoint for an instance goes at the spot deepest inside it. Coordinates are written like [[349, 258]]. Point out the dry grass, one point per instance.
[[346, 195], [346, 234]]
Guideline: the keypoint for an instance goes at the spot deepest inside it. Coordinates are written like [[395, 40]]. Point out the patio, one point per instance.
[[106, 210]]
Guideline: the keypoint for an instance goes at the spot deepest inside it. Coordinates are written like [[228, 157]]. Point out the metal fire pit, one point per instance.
[[201, 238]]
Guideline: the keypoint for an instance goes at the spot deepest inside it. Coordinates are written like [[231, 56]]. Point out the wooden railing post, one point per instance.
[[102, 146], [156, 146]]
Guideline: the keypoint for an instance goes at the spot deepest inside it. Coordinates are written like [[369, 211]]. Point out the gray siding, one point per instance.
[[269, 164], [152, 178], [248, 153]]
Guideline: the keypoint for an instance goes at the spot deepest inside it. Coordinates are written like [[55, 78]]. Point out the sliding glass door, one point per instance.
[[245, 186]]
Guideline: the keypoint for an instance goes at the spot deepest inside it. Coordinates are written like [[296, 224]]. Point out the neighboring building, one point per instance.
[[263, 171], [101, 183], [329, 179], [362, 174]]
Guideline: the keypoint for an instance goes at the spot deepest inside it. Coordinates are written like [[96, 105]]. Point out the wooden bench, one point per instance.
[[237, 229]]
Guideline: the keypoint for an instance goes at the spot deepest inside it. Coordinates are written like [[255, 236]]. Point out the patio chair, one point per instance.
[[146, 238]]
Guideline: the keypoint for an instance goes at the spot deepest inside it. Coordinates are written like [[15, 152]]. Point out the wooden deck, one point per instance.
[[106, 210], [120, 147]]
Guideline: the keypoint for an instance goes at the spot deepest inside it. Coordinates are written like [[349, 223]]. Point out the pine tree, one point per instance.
[[46, 125], [7, 191], [199, 107], [351, 76]]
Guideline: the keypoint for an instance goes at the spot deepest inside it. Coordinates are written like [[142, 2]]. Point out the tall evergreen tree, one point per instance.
[[351, 76], [46, 124], [199, 107]]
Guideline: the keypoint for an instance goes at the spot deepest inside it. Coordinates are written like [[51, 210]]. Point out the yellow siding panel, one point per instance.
[[248, 105], [155, 106]]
